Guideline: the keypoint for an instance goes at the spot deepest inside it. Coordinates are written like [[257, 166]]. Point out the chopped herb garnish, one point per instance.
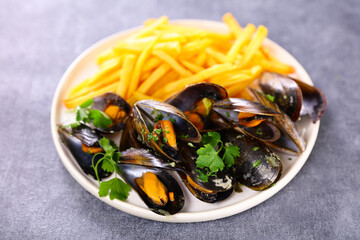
[[289, 158], [208, 157], [118, 189], [185, 136], [259, 131], [190, 144], [158, 131], [159, 117], [256, 164], [165, 140], [227, 114], [256, 148], [172, 120], [269, 97]]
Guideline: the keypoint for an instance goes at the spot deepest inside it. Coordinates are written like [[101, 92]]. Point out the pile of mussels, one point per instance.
[[266, 123]]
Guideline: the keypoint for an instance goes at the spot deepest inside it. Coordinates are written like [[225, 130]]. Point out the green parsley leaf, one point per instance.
[[229, 155], [100, 119], [269, 97], [158, 131], [208, 157], [227, 114], [212, 138], [87, 104], [255, 149], [172, 120], [257, 163], [118, 189], [82, 115], [106, 164], [185, 136]]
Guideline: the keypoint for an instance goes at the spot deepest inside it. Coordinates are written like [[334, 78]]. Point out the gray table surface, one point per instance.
[[40, 200]]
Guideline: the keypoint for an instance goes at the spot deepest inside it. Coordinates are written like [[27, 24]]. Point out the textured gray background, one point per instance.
[[38, 197]]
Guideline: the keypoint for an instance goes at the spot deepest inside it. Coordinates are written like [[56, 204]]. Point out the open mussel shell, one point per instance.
[[290, 140], [314, 101], [148, 112], [191, 102], [222, 181], [171, 199], [115, 107], [287, 93], [188, 97], [209, 197], [229, 110], [74, 139], [257, 167], [294, 97]]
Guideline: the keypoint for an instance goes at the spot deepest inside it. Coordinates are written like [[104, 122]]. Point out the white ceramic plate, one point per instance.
[[194, 209]]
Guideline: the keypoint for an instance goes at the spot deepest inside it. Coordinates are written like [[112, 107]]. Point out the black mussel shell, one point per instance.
[[187, 98], [223, 180], [191, 95], [131, 172], [290, 140], [219, 182], [257, 167], [229, 110], [103, 101], [286, 92], [206, 197], [294, 97], [73, 138], [314, 101], [147, 112]]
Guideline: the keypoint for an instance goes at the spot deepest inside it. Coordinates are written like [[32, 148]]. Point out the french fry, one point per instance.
[[140, 62], [192, 66], [163, 58], [125, 77], [172, 62], [92, 80], [221, 58], [255, 44], [156, 75], [162, 20], [152, 63], [201, 76], [240, 42], [77, 101], [233, 25]]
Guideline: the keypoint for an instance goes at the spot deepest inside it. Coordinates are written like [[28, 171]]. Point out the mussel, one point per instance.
[[83, 143], [115, 107], [160, 125], [250, 117], [158, 189], [294, 97], [217, 188], [196, 102], [257, 167], [290, 139]]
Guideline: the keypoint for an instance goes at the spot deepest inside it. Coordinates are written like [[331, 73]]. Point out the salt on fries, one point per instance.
[[163, 58]]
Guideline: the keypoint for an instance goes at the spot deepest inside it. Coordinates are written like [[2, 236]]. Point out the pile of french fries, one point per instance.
[[163, 58]]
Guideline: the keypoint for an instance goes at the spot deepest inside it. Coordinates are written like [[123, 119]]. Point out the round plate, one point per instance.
[[194, 210]]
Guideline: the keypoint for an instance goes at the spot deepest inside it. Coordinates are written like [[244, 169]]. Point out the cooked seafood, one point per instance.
[[257, 167], [115, 107], [83, 143]]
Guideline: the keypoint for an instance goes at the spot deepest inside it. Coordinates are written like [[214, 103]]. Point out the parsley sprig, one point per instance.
[[208, 156], [118, 189], [84, 114]]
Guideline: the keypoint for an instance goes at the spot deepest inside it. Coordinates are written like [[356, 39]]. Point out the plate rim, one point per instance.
[[181, 217]]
